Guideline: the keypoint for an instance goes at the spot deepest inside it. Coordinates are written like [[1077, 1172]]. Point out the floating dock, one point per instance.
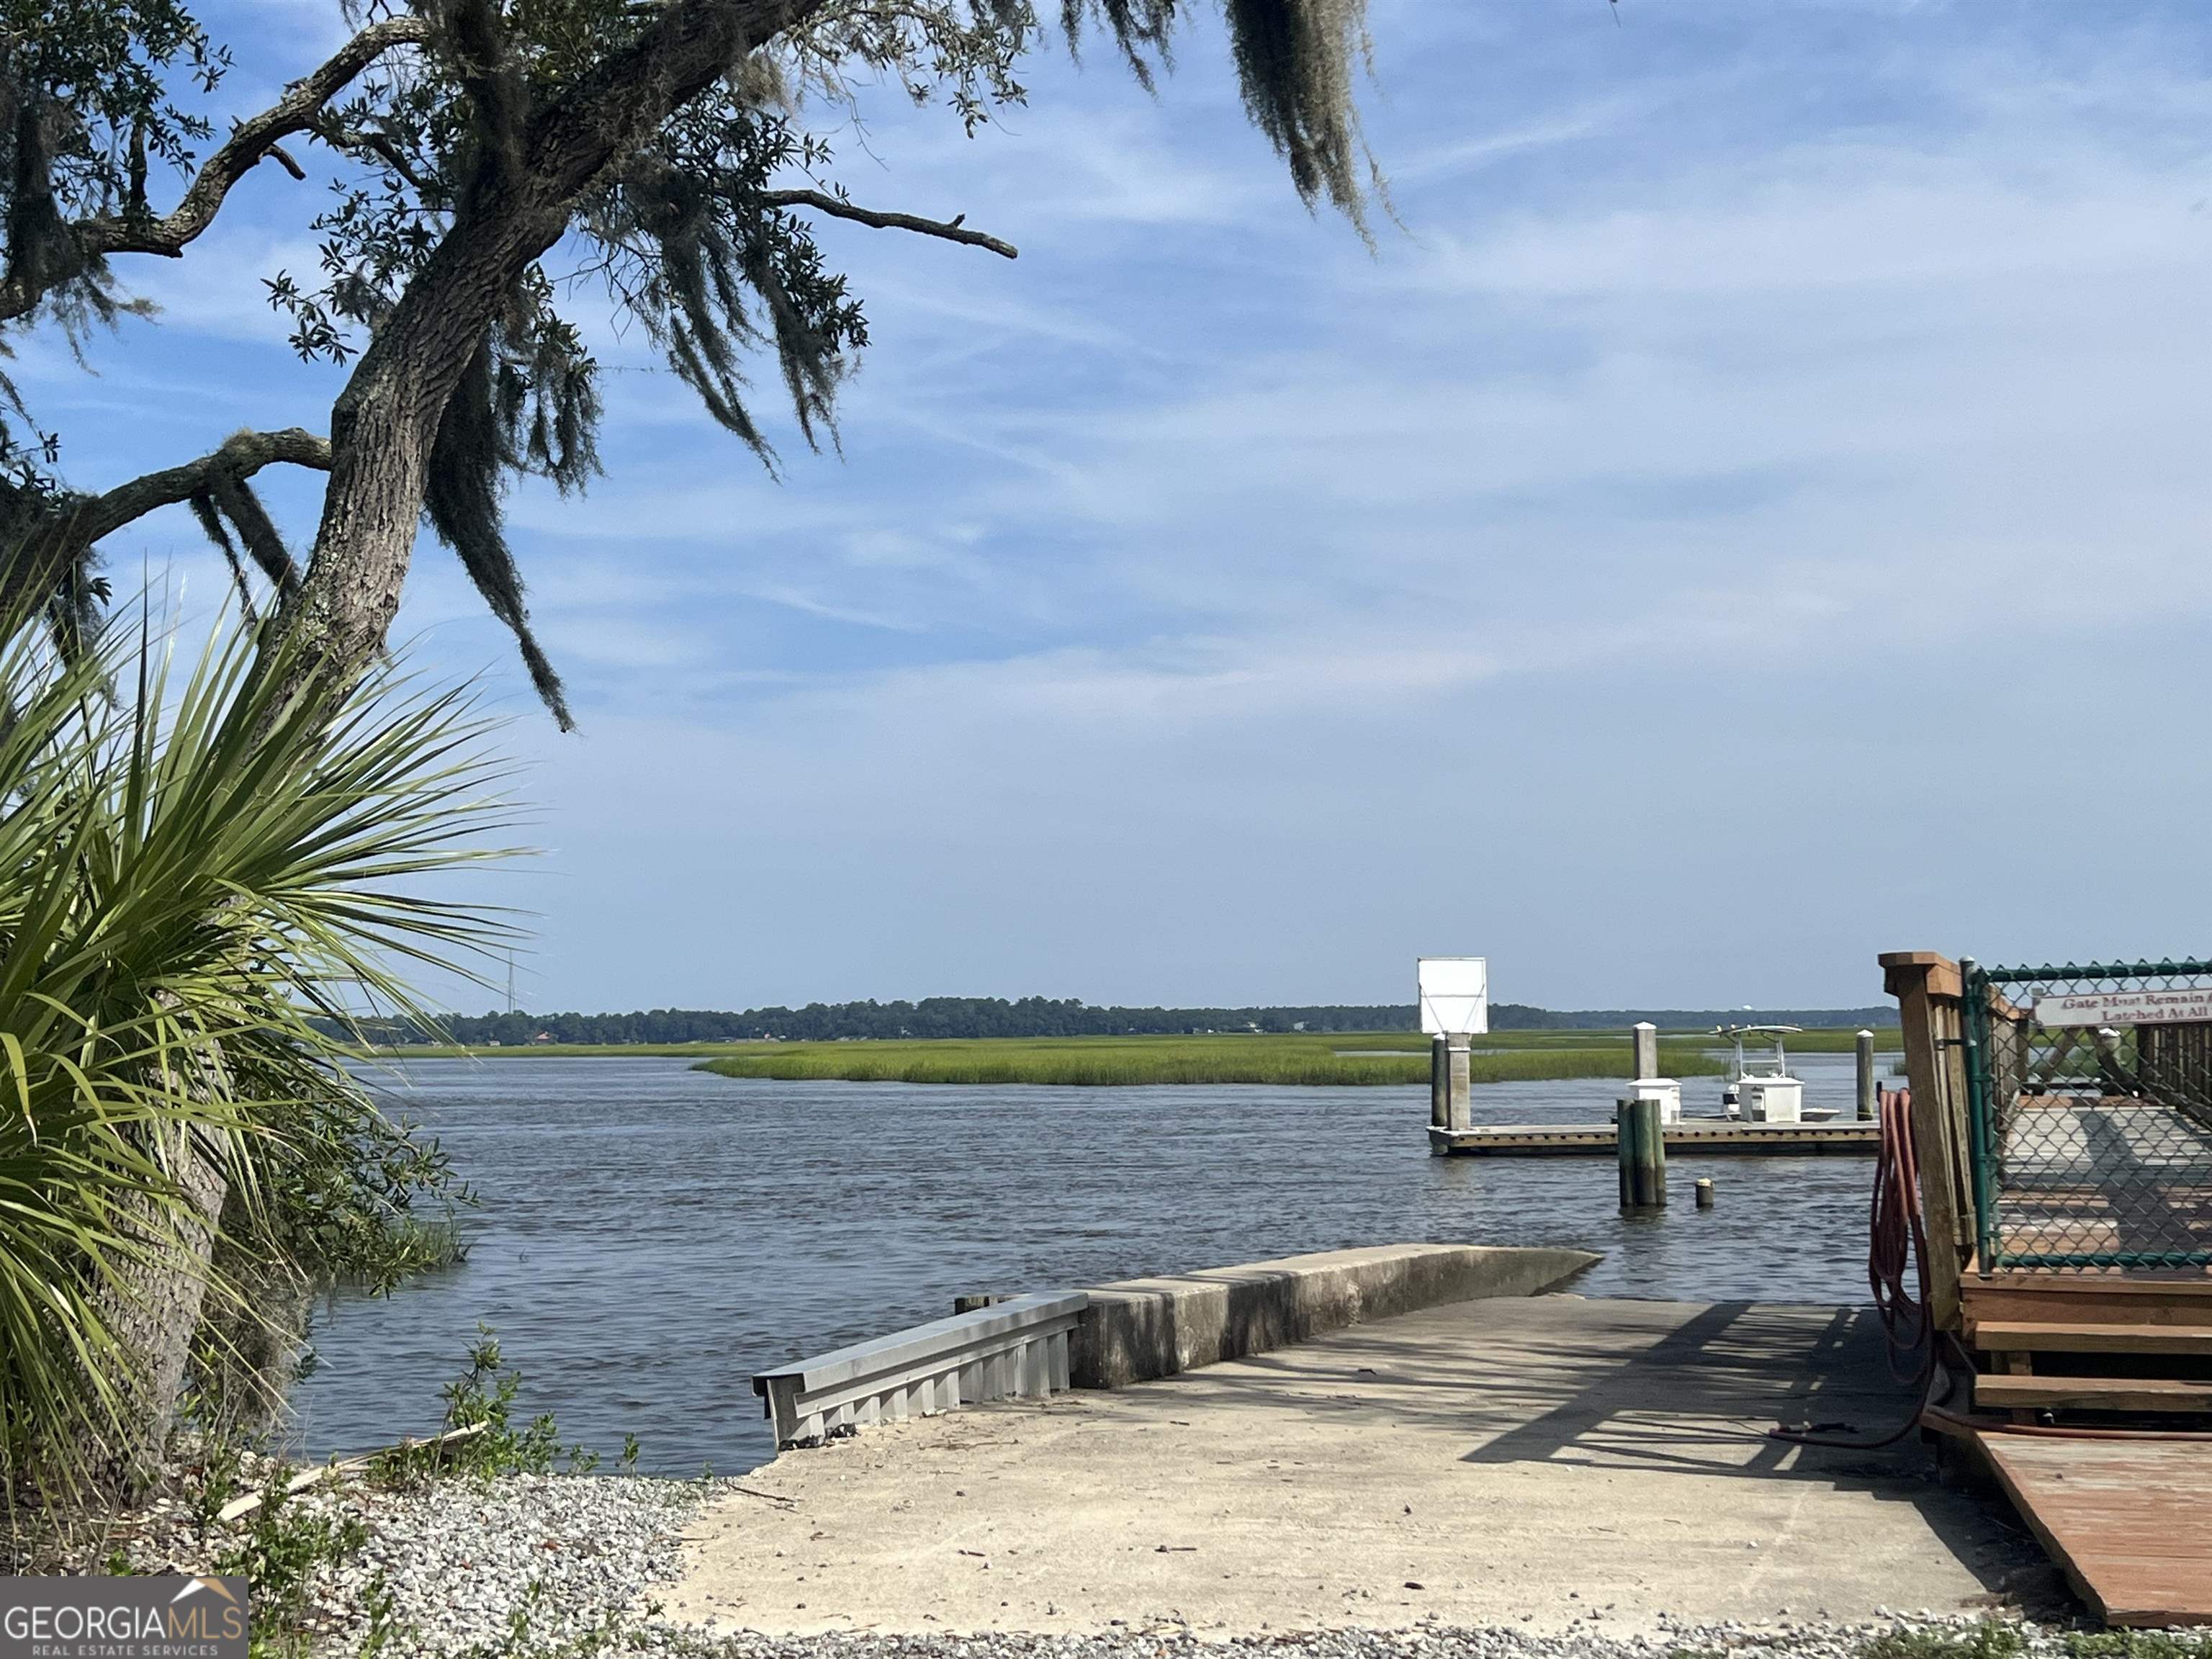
[[1693, 1138]]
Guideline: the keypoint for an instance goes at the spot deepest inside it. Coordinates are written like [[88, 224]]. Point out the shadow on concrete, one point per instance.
[[1676, 1388]]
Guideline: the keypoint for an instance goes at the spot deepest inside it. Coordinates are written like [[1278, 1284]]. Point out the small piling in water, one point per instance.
[[1867, 1104], [1643, 1155], [1704, 1192]]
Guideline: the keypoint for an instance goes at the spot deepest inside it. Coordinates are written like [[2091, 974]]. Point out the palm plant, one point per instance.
[[198, 883]]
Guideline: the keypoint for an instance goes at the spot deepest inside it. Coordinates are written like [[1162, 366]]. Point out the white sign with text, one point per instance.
[[2125, 1008]]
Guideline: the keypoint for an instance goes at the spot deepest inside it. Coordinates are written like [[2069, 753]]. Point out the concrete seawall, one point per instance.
[[1141, 1328]]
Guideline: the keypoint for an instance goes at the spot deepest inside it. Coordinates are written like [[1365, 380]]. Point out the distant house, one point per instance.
[[543, 1036]]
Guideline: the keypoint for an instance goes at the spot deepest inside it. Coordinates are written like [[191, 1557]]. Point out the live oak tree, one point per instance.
[[482, 155], [485, 159]]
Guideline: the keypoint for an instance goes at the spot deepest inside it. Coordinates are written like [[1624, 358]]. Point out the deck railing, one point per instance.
[[2089, 1094]]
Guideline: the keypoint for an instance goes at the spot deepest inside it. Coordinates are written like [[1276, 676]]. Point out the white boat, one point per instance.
[[1759, 1089]]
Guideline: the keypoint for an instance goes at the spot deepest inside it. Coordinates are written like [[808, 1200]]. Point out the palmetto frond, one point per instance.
[[190, 872]]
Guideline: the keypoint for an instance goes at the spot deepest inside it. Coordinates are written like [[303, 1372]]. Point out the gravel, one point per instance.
[[1781, 1640], [523, 1566], [529, 1561]]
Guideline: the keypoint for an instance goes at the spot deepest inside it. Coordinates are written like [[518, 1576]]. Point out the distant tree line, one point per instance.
[[1516, 1017], [1040, 1017]]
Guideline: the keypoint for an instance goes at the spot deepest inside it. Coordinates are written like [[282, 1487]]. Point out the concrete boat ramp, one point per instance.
[[1547, 1463]]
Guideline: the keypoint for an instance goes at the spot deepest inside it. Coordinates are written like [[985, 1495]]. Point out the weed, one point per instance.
[[220, 1476], [2137, 1644], [283, 1553], [381, 1603], [1992, 1638], [481, 1399]]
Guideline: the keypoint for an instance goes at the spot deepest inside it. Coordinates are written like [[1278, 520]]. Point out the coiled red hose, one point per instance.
[[1897, 1269], [1896, 1245]]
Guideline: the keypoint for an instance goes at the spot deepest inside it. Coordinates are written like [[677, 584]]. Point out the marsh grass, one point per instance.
[[1837, 1041], [1298, 1059]]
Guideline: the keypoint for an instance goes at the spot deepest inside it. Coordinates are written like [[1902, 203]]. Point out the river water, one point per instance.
[[648, 1236]]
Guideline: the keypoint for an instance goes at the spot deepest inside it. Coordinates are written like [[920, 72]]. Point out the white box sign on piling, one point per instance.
[[1455, 992]]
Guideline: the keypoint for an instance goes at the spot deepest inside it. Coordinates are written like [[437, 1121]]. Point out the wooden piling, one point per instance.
[[1645, 1036], [1652, 1151], [1458, 1084], [1643, 1155], [1439, 1084], [1704, 1192], [1867, 1107], [1625, 1138]]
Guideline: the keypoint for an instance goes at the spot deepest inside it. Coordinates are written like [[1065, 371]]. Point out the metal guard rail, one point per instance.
[[1013, 1349]]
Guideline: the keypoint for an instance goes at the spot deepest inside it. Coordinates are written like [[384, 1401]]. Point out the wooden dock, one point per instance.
[[1697, 1138], [2129, 1521]]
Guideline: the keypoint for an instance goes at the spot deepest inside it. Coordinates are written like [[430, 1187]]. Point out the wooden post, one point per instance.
[[1439, 1084], [1645, 1036], [1459, 1084], [1704, 1192], [1866, 1077], [1651, 1153], [1928, 989], [1625, 1134], [1642, 1154]]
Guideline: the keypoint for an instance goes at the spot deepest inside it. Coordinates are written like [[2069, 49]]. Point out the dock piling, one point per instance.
[[1439, 1084], [1645, 1036], [1704, 1192], [1866, 1107], [1643, 1155], [1459, 1083]]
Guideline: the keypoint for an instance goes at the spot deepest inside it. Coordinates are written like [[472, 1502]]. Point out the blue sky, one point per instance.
[[1749, 512]]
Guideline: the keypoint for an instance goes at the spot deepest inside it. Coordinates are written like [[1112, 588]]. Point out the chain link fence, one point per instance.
[[2089, 1094]]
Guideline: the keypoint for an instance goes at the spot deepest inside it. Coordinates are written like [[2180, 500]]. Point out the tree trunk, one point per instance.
[[515, 208], [153, 1312]]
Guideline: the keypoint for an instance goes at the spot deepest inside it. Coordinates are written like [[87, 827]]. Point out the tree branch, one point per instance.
[[241, 455], [42, 559], [838, 208], [251, 142]]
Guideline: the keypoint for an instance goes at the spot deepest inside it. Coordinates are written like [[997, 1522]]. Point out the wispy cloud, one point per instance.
[[1206, 606]]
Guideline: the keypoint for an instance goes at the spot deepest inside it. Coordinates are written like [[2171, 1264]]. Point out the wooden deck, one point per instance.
[[2130, 1521], [2104, 1174], [1694, 1139]]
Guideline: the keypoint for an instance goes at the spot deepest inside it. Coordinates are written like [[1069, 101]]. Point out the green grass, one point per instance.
[[1296, 1059]]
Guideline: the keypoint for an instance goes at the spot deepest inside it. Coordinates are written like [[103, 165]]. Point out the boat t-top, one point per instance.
[[1759, 1088]]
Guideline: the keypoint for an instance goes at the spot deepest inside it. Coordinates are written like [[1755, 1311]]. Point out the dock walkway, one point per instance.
[[1549, 1463], [1693, 1139]]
